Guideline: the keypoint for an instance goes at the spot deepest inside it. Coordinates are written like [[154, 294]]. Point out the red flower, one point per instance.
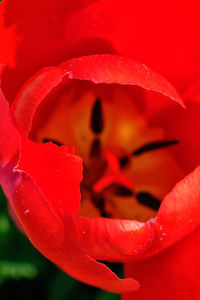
[[135, 142]]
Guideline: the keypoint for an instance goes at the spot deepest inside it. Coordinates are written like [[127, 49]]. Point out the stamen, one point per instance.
[[121, 190], [112, 175], [97, 117], [154, 146], [123, 161], [95, 150], [148, 200], [53, 141], [99, 202]]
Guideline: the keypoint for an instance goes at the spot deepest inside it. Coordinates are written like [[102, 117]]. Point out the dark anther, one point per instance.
[[105, 214], [121, 190], [99, 202], [123, 161], [95, 150], [154, 146], [97, 117], [53, 141], [148, 200]]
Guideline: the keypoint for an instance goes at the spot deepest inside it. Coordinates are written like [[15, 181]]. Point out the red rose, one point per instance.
[[118, 114]]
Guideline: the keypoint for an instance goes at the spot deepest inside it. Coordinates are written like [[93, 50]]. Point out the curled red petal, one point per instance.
[[88, 270], [124, 240], [56, 171], [178, 215], [173, 274], [33, 92], [64, 30], [50, 237], [107, 239], [180, 210], [143, 236], [98, 69], [117, 69], [132, 28], [40, 217]]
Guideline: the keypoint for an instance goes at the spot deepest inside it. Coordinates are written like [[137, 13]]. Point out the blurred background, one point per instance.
[[26, 274]]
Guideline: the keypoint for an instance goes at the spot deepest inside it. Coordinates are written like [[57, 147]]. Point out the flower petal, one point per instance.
[[28, 45], [178, 215], [67, 30], [98, 69], [173, 274], [180, 210], [109, 239], [56, 171], [9, 39], [33, 92], [9, 141], [40, 216], [171, 48], [124, 240], [117, 69], [184, 125], [50, 237]]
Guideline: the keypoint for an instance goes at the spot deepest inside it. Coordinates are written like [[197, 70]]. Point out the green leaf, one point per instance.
[[17, 270], [107, 296], [4, 224], [61, 286]]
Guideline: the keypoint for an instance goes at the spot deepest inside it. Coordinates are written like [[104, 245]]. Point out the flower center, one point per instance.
[[127, 165]]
